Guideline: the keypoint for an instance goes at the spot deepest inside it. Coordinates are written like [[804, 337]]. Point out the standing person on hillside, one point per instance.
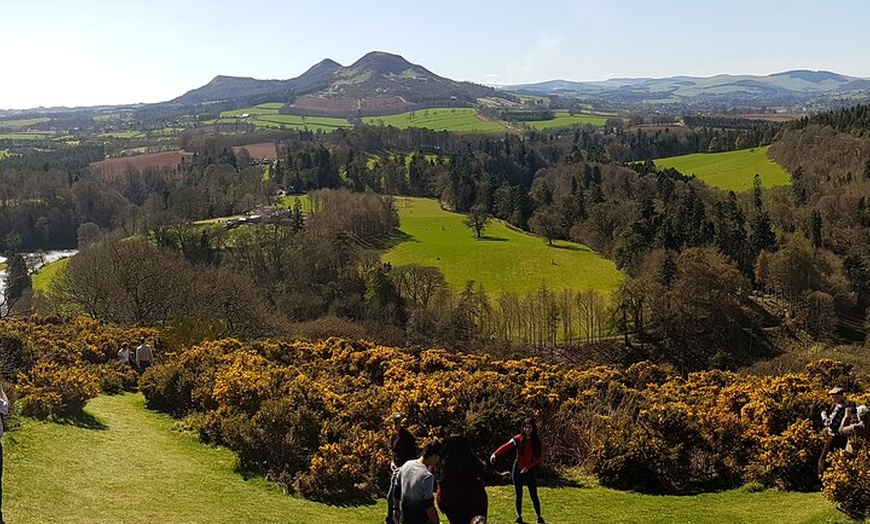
[[4, 410], [462, 478], [144, 355], [834, 420], [525, 469], [404, 448], [414, 495]]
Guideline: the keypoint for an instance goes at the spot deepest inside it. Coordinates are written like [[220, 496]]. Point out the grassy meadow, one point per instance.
[[24, 136], [731, 170], [564, 119], [46, 273], [4, 153], [123, 463], [505, 260], [266, 115], [439, 119]]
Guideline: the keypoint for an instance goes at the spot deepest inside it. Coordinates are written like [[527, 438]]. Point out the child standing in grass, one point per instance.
[[525, 470]]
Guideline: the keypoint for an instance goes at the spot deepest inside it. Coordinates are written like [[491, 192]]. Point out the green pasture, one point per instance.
[[123, 463], [24, 136], [260, 109], [564, 119], [122, 135], [4, 153], [504, 261], [303, 121], [731, 170], [42, 278], [439, 119], [23, 123]]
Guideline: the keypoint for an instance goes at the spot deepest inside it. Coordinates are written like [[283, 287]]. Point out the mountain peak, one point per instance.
[[382, 63]]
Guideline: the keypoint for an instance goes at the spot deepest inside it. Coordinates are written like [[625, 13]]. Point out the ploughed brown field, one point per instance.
[[345, 107], [266, 150], [113, 168]]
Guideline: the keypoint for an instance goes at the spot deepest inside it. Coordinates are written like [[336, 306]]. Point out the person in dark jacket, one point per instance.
[[404, 448], [462, 478], [525, 469]]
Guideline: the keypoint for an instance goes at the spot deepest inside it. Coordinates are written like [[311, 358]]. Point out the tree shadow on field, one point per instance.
[[399, 237], [570, 247], [486, 238], [84, 420]]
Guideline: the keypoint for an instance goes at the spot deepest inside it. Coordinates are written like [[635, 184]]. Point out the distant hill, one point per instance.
[[376, 84], [787, 85]]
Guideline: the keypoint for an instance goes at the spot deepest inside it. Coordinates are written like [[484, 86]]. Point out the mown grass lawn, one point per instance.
[[505, 260], [132, 466], [731, 170]]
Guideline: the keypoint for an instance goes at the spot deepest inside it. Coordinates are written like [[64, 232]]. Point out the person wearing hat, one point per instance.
[[404, 448], [834, 420]]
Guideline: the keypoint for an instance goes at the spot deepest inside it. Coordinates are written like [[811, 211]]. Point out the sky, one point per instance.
[[107, 52]]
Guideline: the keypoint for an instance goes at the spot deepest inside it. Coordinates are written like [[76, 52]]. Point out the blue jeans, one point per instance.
[[390, 502]]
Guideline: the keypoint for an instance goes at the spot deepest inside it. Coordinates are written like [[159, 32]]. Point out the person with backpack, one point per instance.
[[525, 469], [404, 448]]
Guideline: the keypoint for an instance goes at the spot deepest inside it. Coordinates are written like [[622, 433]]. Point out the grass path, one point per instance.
[[133, 467], [137, 470]]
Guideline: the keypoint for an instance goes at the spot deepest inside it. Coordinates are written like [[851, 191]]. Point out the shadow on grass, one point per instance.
[[347, 500], [486, 238], [570, 247], [555, 481], [399, 237], [84, 420]]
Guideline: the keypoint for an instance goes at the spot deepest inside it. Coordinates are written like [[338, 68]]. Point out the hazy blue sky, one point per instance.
[[87, 52]]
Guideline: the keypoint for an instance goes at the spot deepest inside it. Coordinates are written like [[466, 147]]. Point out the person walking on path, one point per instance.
[[124, 354], [404, 448], [414, 495], [462, 478], [144, 355], [4, 410], [525, 469]]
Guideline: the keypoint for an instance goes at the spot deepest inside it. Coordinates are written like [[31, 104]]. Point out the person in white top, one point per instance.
[[4, 410], [144, 355], [124, 353]]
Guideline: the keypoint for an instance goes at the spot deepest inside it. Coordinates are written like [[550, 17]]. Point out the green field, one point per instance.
[[46, 273], [505, 261], [23, 123], [266, 115], [732, 170], [4, 153], [124, 464], [123, 135], [564, 119], [439, 119], [24, 136]]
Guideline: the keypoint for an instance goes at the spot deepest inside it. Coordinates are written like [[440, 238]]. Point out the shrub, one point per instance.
[[50, 390], [846, 483], [788, 461]]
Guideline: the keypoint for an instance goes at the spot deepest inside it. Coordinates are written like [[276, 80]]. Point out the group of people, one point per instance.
[[141, 358], [450, 475], [843, 422]]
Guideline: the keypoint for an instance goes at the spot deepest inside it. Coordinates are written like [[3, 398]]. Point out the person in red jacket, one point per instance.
[[462, 478], [525, 470]]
